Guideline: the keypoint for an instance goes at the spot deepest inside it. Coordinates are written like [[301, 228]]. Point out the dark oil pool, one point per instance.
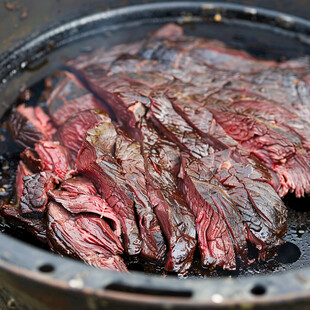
[[23, 81]]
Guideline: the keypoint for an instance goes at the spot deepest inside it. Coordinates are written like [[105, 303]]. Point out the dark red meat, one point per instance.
[[27, 125], [87, 237], [22, 171], [128, 152], [95, 162], [174, 216], [31, 160], [70, 97], [86, 203], [55, 158], [71, 134], [272, 147], [36, 186], [79, 185]]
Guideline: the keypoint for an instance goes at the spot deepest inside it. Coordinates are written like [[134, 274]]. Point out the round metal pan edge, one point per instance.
[[39, 280]]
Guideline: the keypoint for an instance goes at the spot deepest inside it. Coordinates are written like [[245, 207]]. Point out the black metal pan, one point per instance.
[[31, 278]]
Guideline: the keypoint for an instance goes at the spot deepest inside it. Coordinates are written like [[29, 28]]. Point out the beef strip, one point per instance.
[[31, 160], [277, 85], [71, 134], [27, 125], [84, 236], [55, 158], [85, 203], [96, 162], [174, 216], [22, 171], [245, 187], [125, 98], [79, 185], [70, 97], [128, 152], [272, 147]]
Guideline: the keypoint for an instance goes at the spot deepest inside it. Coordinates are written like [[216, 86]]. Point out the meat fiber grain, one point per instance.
[[95, 162], [84, 236]]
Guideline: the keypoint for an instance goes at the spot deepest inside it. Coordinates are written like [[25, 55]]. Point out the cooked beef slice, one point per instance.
[[71, 134], [96, 163], [79, 185], [125, 98], [36, 186], [55, 158], [87, 237], [277, 85], [274, 149], [70, 97], [174, 216], [153, 245], [27, 125], [22, 171], [103, 58], [36, 225], [128, 153], [85, 203], [216, 201], [31, 160], [34, 222], [175, 127], [261, 209], [273, 115]]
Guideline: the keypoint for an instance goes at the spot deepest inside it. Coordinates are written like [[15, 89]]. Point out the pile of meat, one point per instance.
[[157, 147]]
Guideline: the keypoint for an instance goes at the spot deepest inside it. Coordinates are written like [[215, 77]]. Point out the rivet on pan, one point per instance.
[[76, 283], [217, 298], [217, 17], [11, 304]]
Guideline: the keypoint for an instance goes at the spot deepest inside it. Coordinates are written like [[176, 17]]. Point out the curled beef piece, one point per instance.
[[27, 125], [36, 186], [87, 237], [69, 97], [128, 152], [174, 216], [95, 162], [85, 203], [71, 134], [55, 158]]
